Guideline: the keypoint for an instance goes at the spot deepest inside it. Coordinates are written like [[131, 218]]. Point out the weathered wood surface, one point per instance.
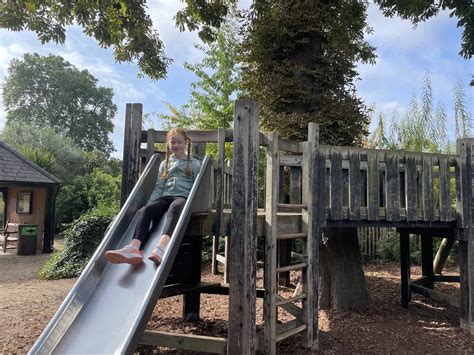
[[185, 341], [316, 219], [465, 231], [131, 158], [243, 243], [270, 279]]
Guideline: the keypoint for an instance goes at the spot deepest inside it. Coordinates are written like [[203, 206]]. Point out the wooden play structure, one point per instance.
[[326, 186]]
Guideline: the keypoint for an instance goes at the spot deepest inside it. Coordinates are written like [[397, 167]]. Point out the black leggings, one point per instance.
[[154, 212]]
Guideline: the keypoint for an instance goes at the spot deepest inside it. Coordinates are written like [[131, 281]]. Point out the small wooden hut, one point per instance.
[[27, 195]]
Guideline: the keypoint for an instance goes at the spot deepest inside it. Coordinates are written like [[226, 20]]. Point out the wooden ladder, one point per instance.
[[306, 316]]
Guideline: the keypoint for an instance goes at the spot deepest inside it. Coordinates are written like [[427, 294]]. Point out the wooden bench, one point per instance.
[[9, 235]]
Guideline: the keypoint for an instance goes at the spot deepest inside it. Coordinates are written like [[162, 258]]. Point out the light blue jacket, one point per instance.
[[177, 183]]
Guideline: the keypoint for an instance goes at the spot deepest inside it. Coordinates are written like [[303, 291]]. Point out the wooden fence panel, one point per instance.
[[445, 197], [336, 186], [355, 182], [392, 176], [411, 188], [427, 189], [373, 201]]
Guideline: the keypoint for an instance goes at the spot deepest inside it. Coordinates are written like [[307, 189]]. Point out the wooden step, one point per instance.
[[288, 329], [281, 301], [291, 267], [291, 236], [292, 206]]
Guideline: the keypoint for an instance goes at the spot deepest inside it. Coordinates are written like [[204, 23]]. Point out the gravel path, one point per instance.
[[27, 304]]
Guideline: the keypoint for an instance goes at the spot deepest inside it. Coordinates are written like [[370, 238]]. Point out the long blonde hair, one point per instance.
[[171, 133]]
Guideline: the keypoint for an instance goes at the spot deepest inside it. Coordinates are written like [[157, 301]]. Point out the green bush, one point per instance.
[[81, 239], [87, 192]]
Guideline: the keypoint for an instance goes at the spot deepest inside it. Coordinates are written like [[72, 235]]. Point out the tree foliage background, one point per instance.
[[47, 91]]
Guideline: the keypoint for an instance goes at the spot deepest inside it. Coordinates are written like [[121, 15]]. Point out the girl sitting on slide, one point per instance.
[[175, 179]]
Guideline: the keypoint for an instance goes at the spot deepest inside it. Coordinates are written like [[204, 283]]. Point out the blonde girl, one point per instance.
[[176, 177]]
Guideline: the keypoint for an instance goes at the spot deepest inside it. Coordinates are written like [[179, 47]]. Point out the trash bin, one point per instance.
[[27, 234]]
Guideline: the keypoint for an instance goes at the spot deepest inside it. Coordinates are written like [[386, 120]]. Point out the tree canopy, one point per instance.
[[299, 64], [122, 24], [47, 91]]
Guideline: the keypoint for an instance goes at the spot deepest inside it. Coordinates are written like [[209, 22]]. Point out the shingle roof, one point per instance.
[[16, 168]]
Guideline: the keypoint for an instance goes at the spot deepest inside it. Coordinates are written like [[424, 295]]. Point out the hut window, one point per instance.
[[24, 202]]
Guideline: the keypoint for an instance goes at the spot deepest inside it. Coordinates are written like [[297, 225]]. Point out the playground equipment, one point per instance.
[[329, 186]]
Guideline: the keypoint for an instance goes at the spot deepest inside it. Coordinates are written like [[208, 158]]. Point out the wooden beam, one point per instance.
[[243, 241], [131, 146], [436, 295], [199, 343], [270, 275], [405, 268]]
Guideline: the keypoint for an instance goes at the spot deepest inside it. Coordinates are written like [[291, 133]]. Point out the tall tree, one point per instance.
[[48, 91], [308, 72], [299, 64]]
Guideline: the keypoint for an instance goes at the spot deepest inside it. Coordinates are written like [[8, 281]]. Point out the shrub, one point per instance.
[[81, 239]]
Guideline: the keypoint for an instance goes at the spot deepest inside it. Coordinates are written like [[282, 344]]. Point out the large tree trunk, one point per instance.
[[342, 283]]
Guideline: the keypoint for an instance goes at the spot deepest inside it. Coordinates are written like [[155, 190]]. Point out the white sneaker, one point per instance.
[[127, 255]]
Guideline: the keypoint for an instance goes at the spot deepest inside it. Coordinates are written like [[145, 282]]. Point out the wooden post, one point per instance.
[[219, 198], [49, 220], [465, 232], [131, 148], [150, 144], [405, 268], [270, 278], [242, 337], [316, 220], [427, 258]]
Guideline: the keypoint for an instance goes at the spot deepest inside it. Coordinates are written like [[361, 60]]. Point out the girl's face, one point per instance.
[[177, 144]]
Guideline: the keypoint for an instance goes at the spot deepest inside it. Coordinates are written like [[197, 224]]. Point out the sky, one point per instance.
[[405, 56]]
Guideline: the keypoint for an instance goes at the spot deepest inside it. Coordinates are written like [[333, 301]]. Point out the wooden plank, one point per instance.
[[282, 301], [219, 230], [412, 189], [290, 308], [290, 328], [291, 267], [291, 236], [405, 268], [355, 186], [243, 259], [336, 186], [427, 258], [150, 144], [281, 184], [270, 278], [436, 295], [444, 186], [373, 201], [200, 136], [288, 146], [131, 147], [427, 189], [392, 177], [191, 342], [295, 185], [316, 221], [291, 160]]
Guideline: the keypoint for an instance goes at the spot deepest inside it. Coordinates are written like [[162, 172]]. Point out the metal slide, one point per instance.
[[109, 306]]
